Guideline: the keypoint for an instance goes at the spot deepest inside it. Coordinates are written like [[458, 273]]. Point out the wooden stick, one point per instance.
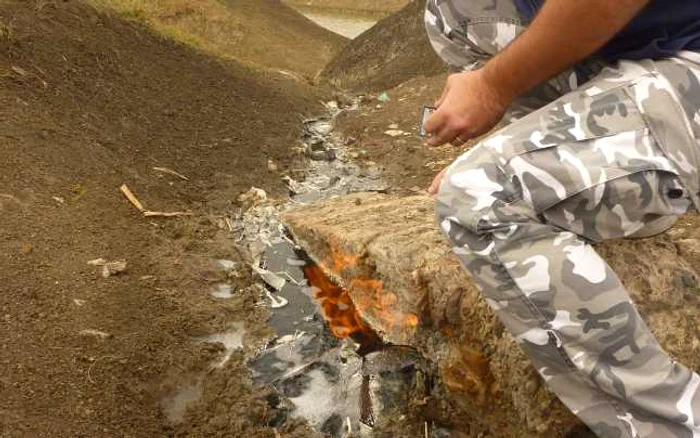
[[132, 198], [166, 214]]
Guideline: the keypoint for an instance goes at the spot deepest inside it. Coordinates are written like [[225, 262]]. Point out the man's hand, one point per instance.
[[469, 107], [435, 185]]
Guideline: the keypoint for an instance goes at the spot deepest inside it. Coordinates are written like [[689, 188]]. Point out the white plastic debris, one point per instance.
[[276, 302], [272, 279]]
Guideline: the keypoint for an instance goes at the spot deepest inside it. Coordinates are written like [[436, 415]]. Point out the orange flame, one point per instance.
[[342, 314], [336, 304]]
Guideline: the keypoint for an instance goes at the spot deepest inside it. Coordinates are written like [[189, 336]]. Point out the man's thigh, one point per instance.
[[590, 162]]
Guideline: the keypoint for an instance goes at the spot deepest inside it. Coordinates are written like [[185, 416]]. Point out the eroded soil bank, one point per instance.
[[90, 102]]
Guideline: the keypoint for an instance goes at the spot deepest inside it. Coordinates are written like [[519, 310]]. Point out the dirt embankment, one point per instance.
[[395, 50], [265, 33], [90, 102]]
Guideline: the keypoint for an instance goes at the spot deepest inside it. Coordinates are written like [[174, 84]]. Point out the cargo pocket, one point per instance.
[[578, 144], [638, 204]]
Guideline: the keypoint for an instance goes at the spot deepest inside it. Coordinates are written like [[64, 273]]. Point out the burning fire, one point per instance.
[[339, 310]]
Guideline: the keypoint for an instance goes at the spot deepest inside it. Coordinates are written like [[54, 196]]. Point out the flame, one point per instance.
[[337, 307], [371, 299]]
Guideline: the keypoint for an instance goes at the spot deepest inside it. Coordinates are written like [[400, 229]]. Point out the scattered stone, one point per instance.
[[393, 126], [226, 265], [58, 199], [317, 144], [95, 333], [222, 291], [78, 302], [97, 262], [350, 141], [319, 126], [394, 132], [253, 197], [113, 268], [354, 155], [271, 166], [415, 189], [326, 155], [147, 277]]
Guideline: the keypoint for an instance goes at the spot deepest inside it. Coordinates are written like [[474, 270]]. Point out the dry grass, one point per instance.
[[260, 32], [206, 24]]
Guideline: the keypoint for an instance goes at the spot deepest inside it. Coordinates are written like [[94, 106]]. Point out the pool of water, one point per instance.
[[347, 25]]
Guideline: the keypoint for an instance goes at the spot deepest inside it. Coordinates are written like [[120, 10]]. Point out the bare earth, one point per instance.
[[90, 102]]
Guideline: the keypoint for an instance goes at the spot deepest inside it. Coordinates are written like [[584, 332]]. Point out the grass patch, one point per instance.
[[205, 24], [261, 33]]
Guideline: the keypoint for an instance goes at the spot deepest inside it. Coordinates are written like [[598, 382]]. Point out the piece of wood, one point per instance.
[[166, 214], [132, 198], [394, 261]]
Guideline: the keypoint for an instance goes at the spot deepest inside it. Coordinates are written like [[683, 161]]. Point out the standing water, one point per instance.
[[346, 24]]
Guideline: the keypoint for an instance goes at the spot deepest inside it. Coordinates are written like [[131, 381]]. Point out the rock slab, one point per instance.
[[392, 258]]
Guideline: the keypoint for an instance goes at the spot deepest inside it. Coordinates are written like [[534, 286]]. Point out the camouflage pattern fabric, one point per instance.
[[613, 156]]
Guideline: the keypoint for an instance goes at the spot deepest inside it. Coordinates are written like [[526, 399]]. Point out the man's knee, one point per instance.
[[473, 184]]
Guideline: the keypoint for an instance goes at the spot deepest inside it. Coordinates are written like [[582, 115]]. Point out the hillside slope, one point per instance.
[[395, 50], [89, 102], [262, 32]]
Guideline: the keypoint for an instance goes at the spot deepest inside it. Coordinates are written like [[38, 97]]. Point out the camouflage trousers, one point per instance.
[[600, 152]]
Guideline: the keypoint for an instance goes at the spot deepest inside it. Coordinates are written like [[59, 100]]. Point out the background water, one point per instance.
[[347, 25]]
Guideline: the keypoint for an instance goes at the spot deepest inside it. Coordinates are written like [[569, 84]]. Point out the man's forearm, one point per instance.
[[563, 33]]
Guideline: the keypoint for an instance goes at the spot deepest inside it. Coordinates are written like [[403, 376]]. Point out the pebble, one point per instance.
[[394, 132], [328, 155]]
